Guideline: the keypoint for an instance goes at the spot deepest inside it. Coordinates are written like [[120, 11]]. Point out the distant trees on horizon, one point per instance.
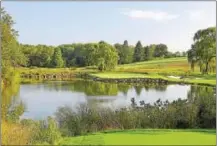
[[99, 54], [102, 54]]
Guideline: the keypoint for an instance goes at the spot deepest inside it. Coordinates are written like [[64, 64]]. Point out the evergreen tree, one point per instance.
[[125, 53], [57, 60], [138, 52], [149, 52], [128, 53]]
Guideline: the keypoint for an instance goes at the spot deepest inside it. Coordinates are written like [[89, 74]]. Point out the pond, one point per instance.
[[43, 99]]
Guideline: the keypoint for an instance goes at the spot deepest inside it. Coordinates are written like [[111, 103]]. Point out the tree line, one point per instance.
[[103, 55]]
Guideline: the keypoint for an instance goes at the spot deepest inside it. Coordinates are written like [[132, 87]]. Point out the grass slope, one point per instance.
[[206, 79], [145, 137], [173, 66], [161, 68]]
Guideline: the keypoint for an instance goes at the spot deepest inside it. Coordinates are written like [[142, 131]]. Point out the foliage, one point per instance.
[[149, 52], [10, 49], [109, 54], [203, 49], [138, 52], [15, 134], [39, 55], [125, 53], [101, 64], [43, 131], [160, 50], [12, 132], [57, 60]]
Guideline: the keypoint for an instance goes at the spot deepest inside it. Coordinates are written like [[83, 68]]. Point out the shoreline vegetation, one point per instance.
[[155, 71]]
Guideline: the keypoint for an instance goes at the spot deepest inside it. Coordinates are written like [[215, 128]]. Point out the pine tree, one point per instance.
[[57, 60], [138, 52]]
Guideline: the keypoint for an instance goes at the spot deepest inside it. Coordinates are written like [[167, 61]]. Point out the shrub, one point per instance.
[[15, 134], [181, 113], [44, 131]]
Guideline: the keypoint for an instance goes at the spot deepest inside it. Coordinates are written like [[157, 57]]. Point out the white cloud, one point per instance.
[[154, 15]]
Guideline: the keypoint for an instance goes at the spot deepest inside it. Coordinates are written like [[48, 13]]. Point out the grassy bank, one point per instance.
[[170, 69], [172, 66], [207, 80], [37, 74], [145, 137], [36, 70]]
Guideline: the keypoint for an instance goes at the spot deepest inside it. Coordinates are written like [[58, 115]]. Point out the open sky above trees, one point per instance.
[[55, 23]]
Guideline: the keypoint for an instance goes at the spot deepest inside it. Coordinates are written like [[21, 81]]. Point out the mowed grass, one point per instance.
[[208, 79], [145, 137], [161, 69], [173, 66]]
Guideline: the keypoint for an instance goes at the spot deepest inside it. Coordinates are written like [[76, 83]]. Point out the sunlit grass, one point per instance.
[[175, 66], [145, 137], [209, 79], [161, 69]]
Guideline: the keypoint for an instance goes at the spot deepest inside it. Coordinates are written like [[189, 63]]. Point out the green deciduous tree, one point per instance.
[[101, 64], [39, 55], [109, 54], [149, 52], [68, 54], [11, 54], [90, 52], [160, 50], [125, 53], [203, 49]]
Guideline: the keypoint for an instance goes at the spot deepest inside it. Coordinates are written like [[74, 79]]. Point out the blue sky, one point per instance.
[[54, 23]]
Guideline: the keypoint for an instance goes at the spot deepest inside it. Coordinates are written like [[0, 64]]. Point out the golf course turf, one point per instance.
[[145, 137]]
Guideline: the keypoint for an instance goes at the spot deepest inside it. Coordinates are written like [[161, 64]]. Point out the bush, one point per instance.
[[181, 113], [44, 131], [15, 134]]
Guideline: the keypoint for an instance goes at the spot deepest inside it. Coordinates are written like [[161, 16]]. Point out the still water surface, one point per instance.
[[43, 99]]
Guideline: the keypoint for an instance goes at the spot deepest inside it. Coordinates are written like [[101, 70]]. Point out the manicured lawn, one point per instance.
[[209, 79], [172, 66], [119, 75], [145, 137], [161, 68]]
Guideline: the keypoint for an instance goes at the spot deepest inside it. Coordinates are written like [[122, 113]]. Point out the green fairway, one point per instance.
[[161, 69], [145, 137], [166, 66], [209, 79]]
